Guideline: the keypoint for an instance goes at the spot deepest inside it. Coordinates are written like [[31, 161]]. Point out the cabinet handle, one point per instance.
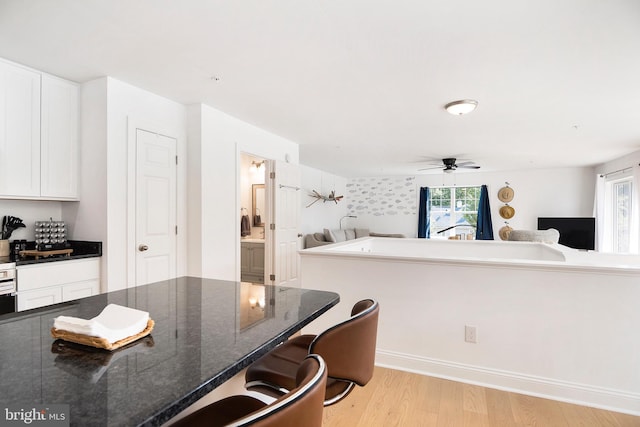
[[143, 248]]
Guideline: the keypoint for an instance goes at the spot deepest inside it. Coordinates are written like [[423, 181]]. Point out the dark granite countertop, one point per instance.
[[205, 332], [81, 249]]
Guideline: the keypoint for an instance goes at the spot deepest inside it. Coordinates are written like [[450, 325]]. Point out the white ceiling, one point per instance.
[[361, 84]]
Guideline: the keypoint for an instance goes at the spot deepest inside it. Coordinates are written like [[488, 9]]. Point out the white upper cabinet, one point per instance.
[[38, 135], [19, 131], [59, 140]]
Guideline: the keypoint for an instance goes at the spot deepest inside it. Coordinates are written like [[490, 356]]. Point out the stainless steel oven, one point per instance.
[[7, 287]]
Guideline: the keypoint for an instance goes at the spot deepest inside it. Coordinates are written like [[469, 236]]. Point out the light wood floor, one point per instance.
[[397, 398]]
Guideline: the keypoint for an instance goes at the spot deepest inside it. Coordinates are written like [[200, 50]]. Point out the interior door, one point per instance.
[[155, 207], [285, 191]]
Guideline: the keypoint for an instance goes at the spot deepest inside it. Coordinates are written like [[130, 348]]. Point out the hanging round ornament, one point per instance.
[[504, 232], [505, 194], [507, 212]]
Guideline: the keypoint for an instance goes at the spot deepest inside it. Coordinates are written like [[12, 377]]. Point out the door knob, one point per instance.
[[299, 234], [143, 248]]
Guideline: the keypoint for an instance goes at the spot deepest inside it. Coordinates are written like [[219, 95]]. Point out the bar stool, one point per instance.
[[348, 348], [302, 406]]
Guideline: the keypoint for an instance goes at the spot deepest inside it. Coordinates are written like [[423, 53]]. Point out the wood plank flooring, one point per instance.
[[397, 398]]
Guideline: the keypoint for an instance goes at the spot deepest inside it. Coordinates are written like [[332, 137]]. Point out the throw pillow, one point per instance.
[[350, 233], [361, 232], [334, 236]]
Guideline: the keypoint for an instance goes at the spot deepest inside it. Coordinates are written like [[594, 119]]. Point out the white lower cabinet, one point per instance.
[[39, 298], [80, 290], [53, 282]]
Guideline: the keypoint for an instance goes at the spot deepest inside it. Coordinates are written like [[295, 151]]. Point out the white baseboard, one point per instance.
[[581, 394]]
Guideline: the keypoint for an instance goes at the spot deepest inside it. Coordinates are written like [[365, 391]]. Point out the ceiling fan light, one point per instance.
[[463, 106]]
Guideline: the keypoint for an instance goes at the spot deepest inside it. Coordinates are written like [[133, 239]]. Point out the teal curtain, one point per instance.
[[424, 213], [484, 230]]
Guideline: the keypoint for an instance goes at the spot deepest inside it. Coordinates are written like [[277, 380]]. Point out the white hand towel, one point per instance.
[[114, 323]]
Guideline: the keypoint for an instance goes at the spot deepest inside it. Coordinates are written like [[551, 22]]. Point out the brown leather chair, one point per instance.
[[348, 348], [302, 406]]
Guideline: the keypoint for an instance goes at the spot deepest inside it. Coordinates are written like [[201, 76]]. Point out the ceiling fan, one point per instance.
[[449, 165]]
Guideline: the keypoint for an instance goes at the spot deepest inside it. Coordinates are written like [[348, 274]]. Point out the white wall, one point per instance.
[[219, 139], [628, 161], [543, 328], [539, 192], [109, 106], [322, 215]]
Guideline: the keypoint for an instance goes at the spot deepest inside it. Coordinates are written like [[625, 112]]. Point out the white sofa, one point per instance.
[[340, 235]]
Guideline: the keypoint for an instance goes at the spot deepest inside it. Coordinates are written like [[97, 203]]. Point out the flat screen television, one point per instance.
[[577, 233]]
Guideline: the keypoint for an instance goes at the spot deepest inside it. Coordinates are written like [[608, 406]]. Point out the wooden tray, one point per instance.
[[100, 342], [39, 254]]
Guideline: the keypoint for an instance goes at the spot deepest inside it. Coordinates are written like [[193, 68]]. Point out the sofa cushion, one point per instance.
[[319, 237], [334, 236], [350, 233], [361, 232]]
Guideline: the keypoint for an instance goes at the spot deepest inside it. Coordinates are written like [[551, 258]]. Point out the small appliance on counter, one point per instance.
[[51, 235]]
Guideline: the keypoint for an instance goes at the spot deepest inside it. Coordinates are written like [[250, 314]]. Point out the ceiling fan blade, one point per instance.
[[462, 164], [469, 166], [431, 168]]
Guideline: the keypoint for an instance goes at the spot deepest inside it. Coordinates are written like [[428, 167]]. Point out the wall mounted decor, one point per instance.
[[385, 196], [330, 198], [505, 195], [504, 231]]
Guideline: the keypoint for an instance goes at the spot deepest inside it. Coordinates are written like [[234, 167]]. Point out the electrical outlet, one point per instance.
[[471, 334]]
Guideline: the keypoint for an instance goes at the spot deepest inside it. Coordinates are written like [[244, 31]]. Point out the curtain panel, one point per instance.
[[484, 228], [424, 214]]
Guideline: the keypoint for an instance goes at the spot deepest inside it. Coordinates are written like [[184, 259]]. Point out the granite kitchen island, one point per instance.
[[205, 332]]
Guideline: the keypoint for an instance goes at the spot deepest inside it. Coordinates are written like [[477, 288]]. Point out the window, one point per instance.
[[620, 217], [454, 207]]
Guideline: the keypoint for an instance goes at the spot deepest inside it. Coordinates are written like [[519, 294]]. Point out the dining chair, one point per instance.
[[348, 349], [302, 406]]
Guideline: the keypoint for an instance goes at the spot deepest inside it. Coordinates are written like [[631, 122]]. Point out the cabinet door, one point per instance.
[[36, 276], [257, 260], [19, 131], [39, 298], [59, 142], [245, 262], [80, 290]]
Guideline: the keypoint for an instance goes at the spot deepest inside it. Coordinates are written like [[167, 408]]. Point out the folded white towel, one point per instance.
[[114, 323]]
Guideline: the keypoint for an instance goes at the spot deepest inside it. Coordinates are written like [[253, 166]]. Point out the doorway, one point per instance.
[[253, 219], [155, 207]]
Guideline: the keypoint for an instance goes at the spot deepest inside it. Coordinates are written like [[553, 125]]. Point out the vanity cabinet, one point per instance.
[[53, 282], [252, 262], [38, 135]]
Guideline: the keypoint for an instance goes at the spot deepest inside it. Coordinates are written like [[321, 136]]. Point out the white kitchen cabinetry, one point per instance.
[[252, 262], [59, 281], [19, 131], [59, 140], [39, 298], [38, 135]]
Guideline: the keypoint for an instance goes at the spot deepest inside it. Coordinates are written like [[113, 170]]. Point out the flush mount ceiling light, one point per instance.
[[464, 106]]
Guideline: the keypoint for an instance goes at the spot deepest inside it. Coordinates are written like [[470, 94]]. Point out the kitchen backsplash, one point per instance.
[[30, 211]]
